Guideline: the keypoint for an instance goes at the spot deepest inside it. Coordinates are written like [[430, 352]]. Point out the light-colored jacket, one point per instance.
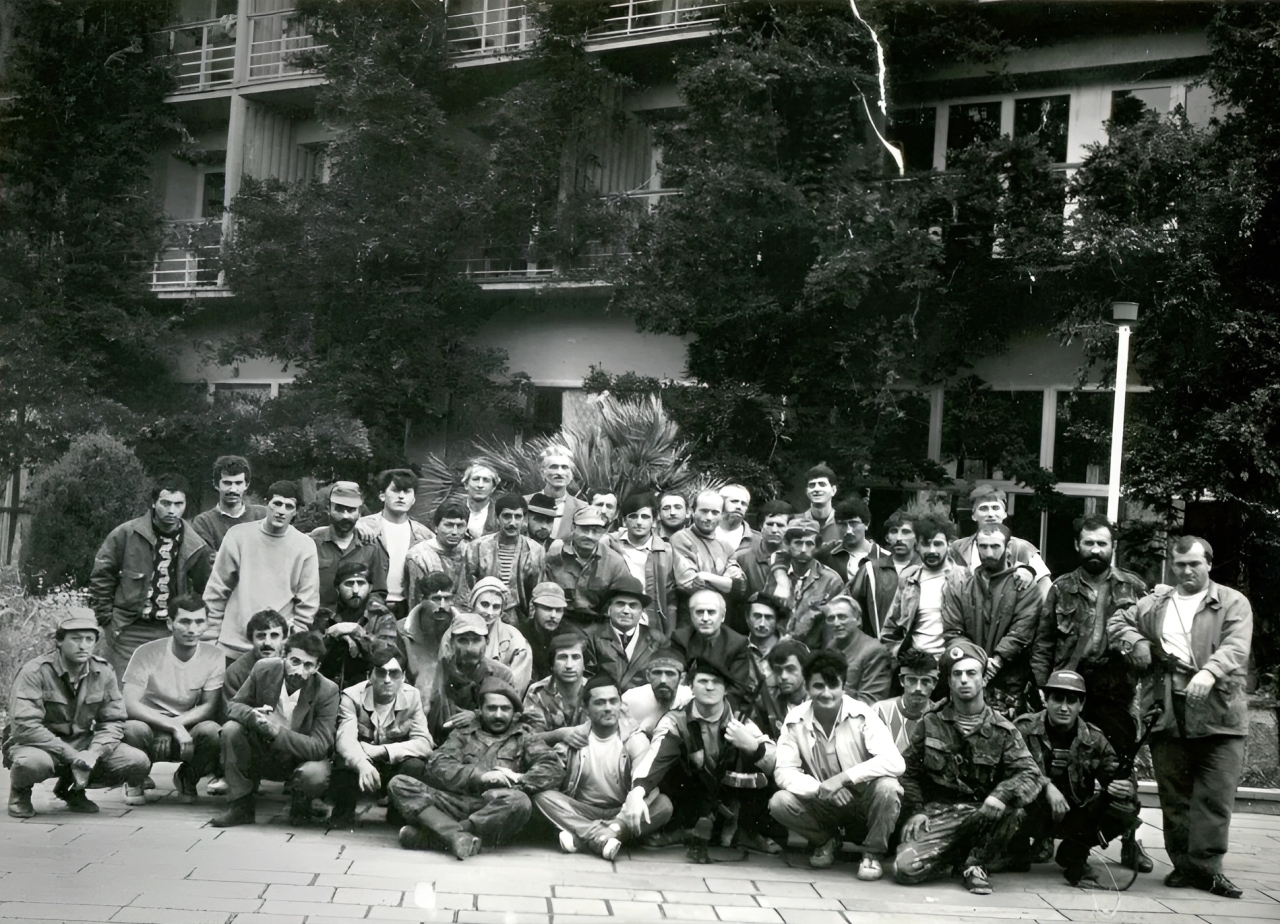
[[506, 645], [407, 735], [864, 748]]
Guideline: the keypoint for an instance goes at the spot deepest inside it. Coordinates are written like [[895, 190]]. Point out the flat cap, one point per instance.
[[957, 650], [346, 492], [79, 618], [548, 593], [987, 492], [1066, 680], [464, 623], [589, 516]]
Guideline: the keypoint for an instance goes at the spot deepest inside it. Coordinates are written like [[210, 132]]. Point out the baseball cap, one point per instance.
[[464, 623]]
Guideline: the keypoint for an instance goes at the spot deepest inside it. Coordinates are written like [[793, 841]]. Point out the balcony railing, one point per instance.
[[499, 265], [190, 263], [276, 43], [493, 28], [204, 55]]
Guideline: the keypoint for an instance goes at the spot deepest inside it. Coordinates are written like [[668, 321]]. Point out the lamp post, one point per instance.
[[1124, 314]]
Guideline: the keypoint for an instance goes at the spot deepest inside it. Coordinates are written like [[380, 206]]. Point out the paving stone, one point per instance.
[[526, 903], [635, 911], [48, 911], [1132, 917], [391, 883], [271, 906], [625, 895], [368, 897], [579, 906], [806, 916], [732, 886], [1092, 901], [955, 909], [269, 919], [708, 898], [690, 912], [781, 887], [497, 917], [260, 876], [739, 913], [296, 893], [196, 887], [133, 915], [800, 902], [164, 899], [1235, 907]]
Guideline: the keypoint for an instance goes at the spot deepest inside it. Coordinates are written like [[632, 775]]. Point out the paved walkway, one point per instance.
[[161, 864]]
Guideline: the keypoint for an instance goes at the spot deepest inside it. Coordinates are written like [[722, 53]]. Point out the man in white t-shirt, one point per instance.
[[395, 532], [172, 694], [645, 705], [915, 617], [587, 807]]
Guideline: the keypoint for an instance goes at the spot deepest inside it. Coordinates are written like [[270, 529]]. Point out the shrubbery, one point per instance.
[[96, 485]]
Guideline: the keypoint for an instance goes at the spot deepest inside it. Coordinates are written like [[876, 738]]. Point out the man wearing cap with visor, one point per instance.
[[546, 617], [66, 720], [989, 504], [1085, 801], [623, 645], [585, 566], [339, 542], [807, 585], [967, 778], [503, 643], [455, 698], [476, 788]]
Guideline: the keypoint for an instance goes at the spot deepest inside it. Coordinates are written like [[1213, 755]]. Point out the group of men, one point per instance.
[[650, 670]]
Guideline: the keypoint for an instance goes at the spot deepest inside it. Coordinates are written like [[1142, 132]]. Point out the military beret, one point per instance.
[[957, 650], [349, 568], [492, 684]]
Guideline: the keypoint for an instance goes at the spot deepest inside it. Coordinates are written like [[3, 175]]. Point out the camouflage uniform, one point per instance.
[[948, 776], [1081, 772], [453, 799], [545, 709]]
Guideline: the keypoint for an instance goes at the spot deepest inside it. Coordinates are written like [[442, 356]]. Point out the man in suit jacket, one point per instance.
[[556, 465], [711, 641], [869, 669], [622, 647], [280, 726]]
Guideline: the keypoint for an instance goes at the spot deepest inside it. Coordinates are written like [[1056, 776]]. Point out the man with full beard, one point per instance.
[[1072, 636], [915, 618]]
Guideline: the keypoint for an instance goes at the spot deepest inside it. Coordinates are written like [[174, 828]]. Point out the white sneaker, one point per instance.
[[568, 843], [217, 787], [611, 848], [869, 870], [135, 795]]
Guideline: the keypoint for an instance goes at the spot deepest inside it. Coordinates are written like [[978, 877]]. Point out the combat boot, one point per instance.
[[20, 802]]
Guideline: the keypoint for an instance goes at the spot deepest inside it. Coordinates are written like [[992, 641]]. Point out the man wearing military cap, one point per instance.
[[585, 566], [968, 777], [66, 720], [339, 542], [806, 585], [503, 641], [623, 645], [547, 604], [475, 791], [1086, 800], [354, 625], [456, 698]]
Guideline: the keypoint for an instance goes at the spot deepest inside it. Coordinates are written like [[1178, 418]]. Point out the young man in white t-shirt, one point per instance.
[[172, 693], [587, 808], [395, 532], [916, 613]]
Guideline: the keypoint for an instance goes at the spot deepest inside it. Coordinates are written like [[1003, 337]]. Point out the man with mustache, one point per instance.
[[338, 542], [915, 617], [445, 551], [1072, 636], [918, 677], [508, 556], [645, 705], [876, 582], [989, 505], [556, 465], [231, 476]]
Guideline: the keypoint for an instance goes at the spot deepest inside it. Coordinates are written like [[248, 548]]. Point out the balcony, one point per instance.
[[481, 30], [190, 264], [204, 55], [275, 43], [515, 268]]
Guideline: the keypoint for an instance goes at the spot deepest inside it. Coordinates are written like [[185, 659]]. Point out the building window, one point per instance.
[[1129, 105], [912, 131], [972, 123], [215, 185], [1046, 119], [234, 391], [547, 411]]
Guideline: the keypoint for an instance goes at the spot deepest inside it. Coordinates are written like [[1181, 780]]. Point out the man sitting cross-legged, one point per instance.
[[968, 775], [837, 768], [173, 694], [382, 732], [587, 806], [280, 727], [475, 792], [66, 718]]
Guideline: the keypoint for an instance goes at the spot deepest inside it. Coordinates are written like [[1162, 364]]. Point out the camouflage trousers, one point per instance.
[[956, 838]]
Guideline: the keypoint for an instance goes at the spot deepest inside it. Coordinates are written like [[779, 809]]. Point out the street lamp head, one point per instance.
[[1124, 312]]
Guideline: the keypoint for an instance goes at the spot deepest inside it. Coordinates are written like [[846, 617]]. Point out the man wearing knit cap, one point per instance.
[[585, 566], [623, 645], [989, 504], [455, 699], [358, 621], [968, 776], [507, 556], [503, 643], [1086, 800], [476, 788], [339, 542], [996, 608]]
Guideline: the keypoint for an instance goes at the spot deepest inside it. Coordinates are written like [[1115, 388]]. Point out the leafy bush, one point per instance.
[[96, 485], [26, 625]]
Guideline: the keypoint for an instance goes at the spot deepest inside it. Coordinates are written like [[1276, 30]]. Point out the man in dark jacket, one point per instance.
[[478, 783], [998, 612], [1072, 636], [968, 775], [281, 726], [869, 675], [142, 567], [759, 559], [875, 584], [339, 543], [648, 555], [1192, 642], [622, 646], [75, 737], [1086, 801], [710, 641], [585, 566], [455, 698], [358, 621]]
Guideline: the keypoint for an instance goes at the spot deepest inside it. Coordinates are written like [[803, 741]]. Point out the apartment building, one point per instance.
[[251, 107]]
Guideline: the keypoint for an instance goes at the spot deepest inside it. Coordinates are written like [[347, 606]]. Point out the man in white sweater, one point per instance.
[[837, 768], [263, 565]]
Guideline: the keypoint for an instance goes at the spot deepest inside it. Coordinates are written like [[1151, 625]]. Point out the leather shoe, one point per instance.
[[414, 838], [239, 812], [1181, 879], [1133, 857], [464, 845], [824, 854], [1221, 885], [20, 803], [697, 852], [77, 801]]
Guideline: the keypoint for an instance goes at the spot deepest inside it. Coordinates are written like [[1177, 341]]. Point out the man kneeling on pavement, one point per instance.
[[1086, 801]]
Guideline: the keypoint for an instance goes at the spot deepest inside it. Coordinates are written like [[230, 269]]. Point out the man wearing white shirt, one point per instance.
[[915, 617], [648, 558], [645, 705], [395, 533]]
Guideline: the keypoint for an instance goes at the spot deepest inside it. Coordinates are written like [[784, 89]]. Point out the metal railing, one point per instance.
[[204, 55], [493, 28], [275, 55], [191, 259], [490, 268]]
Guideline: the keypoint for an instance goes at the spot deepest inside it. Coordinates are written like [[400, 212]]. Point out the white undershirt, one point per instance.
[[927, 634], [283, 715], [397, 536], [477, 520], [732, 538], [1175, 634]]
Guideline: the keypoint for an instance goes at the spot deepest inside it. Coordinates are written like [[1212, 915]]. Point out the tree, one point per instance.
[[84, 113]]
